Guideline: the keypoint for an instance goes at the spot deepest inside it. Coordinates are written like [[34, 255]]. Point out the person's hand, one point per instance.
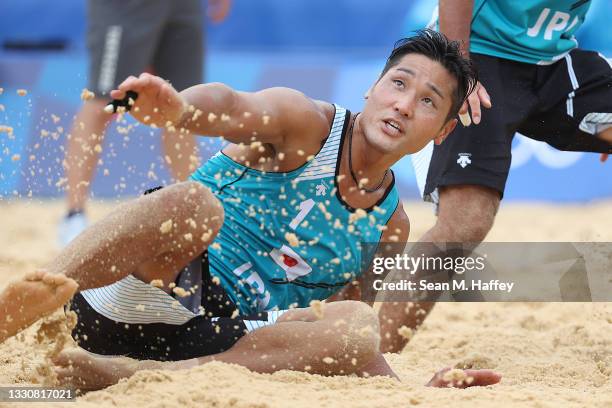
[[603, 157], [218, 10], [478, 97], [158, 102], [458, 378]]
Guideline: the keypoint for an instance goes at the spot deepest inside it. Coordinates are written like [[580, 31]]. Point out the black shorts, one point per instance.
[[564, 104], [127, 37], [210, 333]]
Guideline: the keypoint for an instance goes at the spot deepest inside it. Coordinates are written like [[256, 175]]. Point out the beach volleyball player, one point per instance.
[[540, 84], [271, 223]]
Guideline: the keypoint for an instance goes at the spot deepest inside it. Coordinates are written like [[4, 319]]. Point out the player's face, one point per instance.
[[408, 106]]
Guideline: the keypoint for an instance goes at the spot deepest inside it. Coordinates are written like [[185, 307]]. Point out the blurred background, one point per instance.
[[330, 50]]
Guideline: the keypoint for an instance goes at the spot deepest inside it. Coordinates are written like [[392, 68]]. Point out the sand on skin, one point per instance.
[[550, 354]]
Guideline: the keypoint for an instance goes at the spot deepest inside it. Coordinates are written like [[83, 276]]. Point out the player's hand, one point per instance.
[[463, 378], [477, 98], [603, 157], [157, 103], [218, 10]]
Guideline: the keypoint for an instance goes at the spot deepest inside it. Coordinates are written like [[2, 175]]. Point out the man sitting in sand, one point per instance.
[[207, 269]]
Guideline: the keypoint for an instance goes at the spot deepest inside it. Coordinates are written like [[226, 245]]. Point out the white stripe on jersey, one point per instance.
[[324, 163], [132, 301]]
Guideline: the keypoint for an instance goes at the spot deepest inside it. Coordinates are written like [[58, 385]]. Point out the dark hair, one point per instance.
[[436, 46]]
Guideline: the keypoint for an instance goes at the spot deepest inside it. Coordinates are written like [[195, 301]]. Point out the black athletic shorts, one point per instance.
[[564, 104], [209, 333]]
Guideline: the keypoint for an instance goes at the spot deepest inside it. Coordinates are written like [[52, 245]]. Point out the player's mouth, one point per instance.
[[392, 128]]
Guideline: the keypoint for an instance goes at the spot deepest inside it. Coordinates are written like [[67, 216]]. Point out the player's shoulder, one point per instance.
[[307, 121], [302, 107]]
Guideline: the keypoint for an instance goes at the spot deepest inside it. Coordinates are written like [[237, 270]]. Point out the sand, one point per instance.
[[550, 354]]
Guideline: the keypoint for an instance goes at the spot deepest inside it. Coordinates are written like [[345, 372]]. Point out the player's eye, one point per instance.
[[428, 101], [398, 83]]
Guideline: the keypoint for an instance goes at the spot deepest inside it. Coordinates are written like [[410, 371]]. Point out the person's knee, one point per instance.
[[357, 327], [206, 209], [466, 213], [197, 214]]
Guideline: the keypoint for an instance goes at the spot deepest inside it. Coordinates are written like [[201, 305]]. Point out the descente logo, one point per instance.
[[464, 159]]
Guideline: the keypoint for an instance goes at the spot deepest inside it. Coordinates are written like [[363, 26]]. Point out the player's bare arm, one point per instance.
[[392, 315], [284, 118], [392, 243], [455, 23], [396, 233]]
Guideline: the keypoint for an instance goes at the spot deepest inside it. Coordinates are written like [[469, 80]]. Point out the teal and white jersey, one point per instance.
[[531, 31], [288, 238]]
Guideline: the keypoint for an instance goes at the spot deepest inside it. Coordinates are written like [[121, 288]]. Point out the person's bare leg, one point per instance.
[[343, 341], [466, 214], [83, 151], [167, 225], [606, 135], [38, 294], [152, 237], [181, 153]]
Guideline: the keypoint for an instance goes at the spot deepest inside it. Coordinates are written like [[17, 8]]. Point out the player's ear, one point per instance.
[[445, 131]]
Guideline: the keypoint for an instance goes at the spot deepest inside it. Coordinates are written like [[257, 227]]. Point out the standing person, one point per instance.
[[536, 81], [126, 38]]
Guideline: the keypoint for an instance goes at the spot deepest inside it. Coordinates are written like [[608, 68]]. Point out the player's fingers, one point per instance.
[[436, 380], [49, 279], [138, 85], [60, 279], [36, 275], [127, 84], [152, 81], [117, 94], [482, 377], [603, 157], [485, 99], [144, 81], [54, 279], [474, 102], [464, 116]]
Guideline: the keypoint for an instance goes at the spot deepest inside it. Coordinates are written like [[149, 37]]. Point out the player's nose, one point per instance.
[[405, 105]]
